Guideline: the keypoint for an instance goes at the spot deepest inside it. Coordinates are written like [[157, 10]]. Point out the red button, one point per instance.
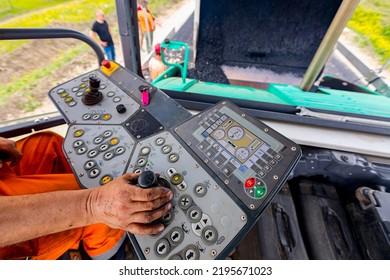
[[106, 64], [250, 183]]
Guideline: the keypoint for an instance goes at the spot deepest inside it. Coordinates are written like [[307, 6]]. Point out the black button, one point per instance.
[[121, 108]]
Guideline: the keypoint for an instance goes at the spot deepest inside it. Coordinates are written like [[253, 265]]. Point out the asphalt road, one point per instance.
[[181, 23]]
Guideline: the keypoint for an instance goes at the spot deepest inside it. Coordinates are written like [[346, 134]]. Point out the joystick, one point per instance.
[[92, 95], [149, 179]]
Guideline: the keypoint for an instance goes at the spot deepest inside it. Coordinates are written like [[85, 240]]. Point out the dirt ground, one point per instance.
[[36, 53]]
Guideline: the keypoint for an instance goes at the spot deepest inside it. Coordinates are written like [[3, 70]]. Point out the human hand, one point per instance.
[[120, 204], [9, 152], [104, 44]]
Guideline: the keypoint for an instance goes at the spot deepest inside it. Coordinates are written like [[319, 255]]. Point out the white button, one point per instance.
[[226, 221], [145, 151], [215, 208]]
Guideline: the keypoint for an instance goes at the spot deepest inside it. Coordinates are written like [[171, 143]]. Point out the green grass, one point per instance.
[[371, 20], [75, 12], [10, 8], [153, 5], [31, 79], [80, 13]]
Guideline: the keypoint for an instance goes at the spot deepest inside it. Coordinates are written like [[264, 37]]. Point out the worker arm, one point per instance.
[[95, 36], [118, 204]]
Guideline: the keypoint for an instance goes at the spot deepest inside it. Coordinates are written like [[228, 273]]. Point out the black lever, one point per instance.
[[149, 179]]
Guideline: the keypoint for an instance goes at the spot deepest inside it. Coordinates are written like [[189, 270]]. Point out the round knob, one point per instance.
[[147, 179], [94, 83], [121, 109]]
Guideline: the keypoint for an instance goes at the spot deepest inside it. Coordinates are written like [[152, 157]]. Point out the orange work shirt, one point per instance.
[[44, 168], [145, 20]]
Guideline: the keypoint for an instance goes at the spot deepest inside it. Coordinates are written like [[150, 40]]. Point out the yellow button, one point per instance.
[[78, 133], [106, 179], [106, 117], [114, 141]]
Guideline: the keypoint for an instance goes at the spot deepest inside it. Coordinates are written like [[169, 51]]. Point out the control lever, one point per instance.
[[92, 95], [149, 179]]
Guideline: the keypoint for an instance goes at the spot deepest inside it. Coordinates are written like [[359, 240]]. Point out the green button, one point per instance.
[[260, 191], [176, 179]]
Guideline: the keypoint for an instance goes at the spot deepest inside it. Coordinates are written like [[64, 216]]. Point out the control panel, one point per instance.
[[223, 166]]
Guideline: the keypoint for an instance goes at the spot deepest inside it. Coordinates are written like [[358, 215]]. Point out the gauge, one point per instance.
[[242, 153], [219, 134], [235, 133]]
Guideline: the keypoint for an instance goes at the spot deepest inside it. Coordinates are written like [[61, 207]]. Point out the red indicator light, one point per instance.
[[250, 182]]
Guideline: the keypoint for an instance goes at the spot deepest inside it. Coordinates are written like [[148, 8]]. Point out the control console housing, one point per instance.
[[223, 165]]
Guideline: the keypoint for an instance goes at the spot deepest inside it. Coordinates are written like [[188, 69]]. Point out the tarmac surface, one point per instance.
[[211, 65]]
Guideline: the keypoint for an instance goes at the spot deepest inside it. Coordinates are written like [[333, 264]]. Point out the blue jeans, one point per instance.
[[110, 52]]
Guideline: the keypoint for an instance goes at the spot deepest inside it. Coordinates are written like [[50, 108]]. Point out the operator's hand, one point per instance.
[[120, 204], [9, 152], [104, 44]]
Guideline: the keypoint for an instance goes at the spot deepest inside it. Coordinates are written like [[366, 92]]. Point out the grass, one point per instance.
[[154, 4], [371, 21], [31, 79], [77, 12], [58, 13], [10, 8]]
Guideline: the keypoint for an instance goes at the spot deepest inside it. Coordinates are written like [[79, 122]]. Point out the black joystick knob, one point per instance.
[[149, 179], [94, 83], [92, 95], [121, 109]]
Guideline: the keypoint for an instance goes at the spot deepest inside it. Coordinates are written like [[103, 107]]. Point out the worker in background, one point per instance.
[[156, 66], [44, 213], [101, 33], [147, 25]]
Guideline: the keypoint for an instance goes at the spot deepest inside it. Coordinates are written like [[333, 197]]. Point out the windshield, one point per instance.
[[262, 48]]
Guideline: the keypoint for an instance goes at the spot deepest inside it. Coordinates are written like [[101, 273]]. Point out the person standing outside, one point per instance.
[[101, 33], [147, 24], [156, 66]]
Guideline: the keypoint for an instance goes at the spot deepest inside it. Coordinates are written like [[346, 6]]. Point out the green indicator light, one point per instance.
[[260, 191]]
